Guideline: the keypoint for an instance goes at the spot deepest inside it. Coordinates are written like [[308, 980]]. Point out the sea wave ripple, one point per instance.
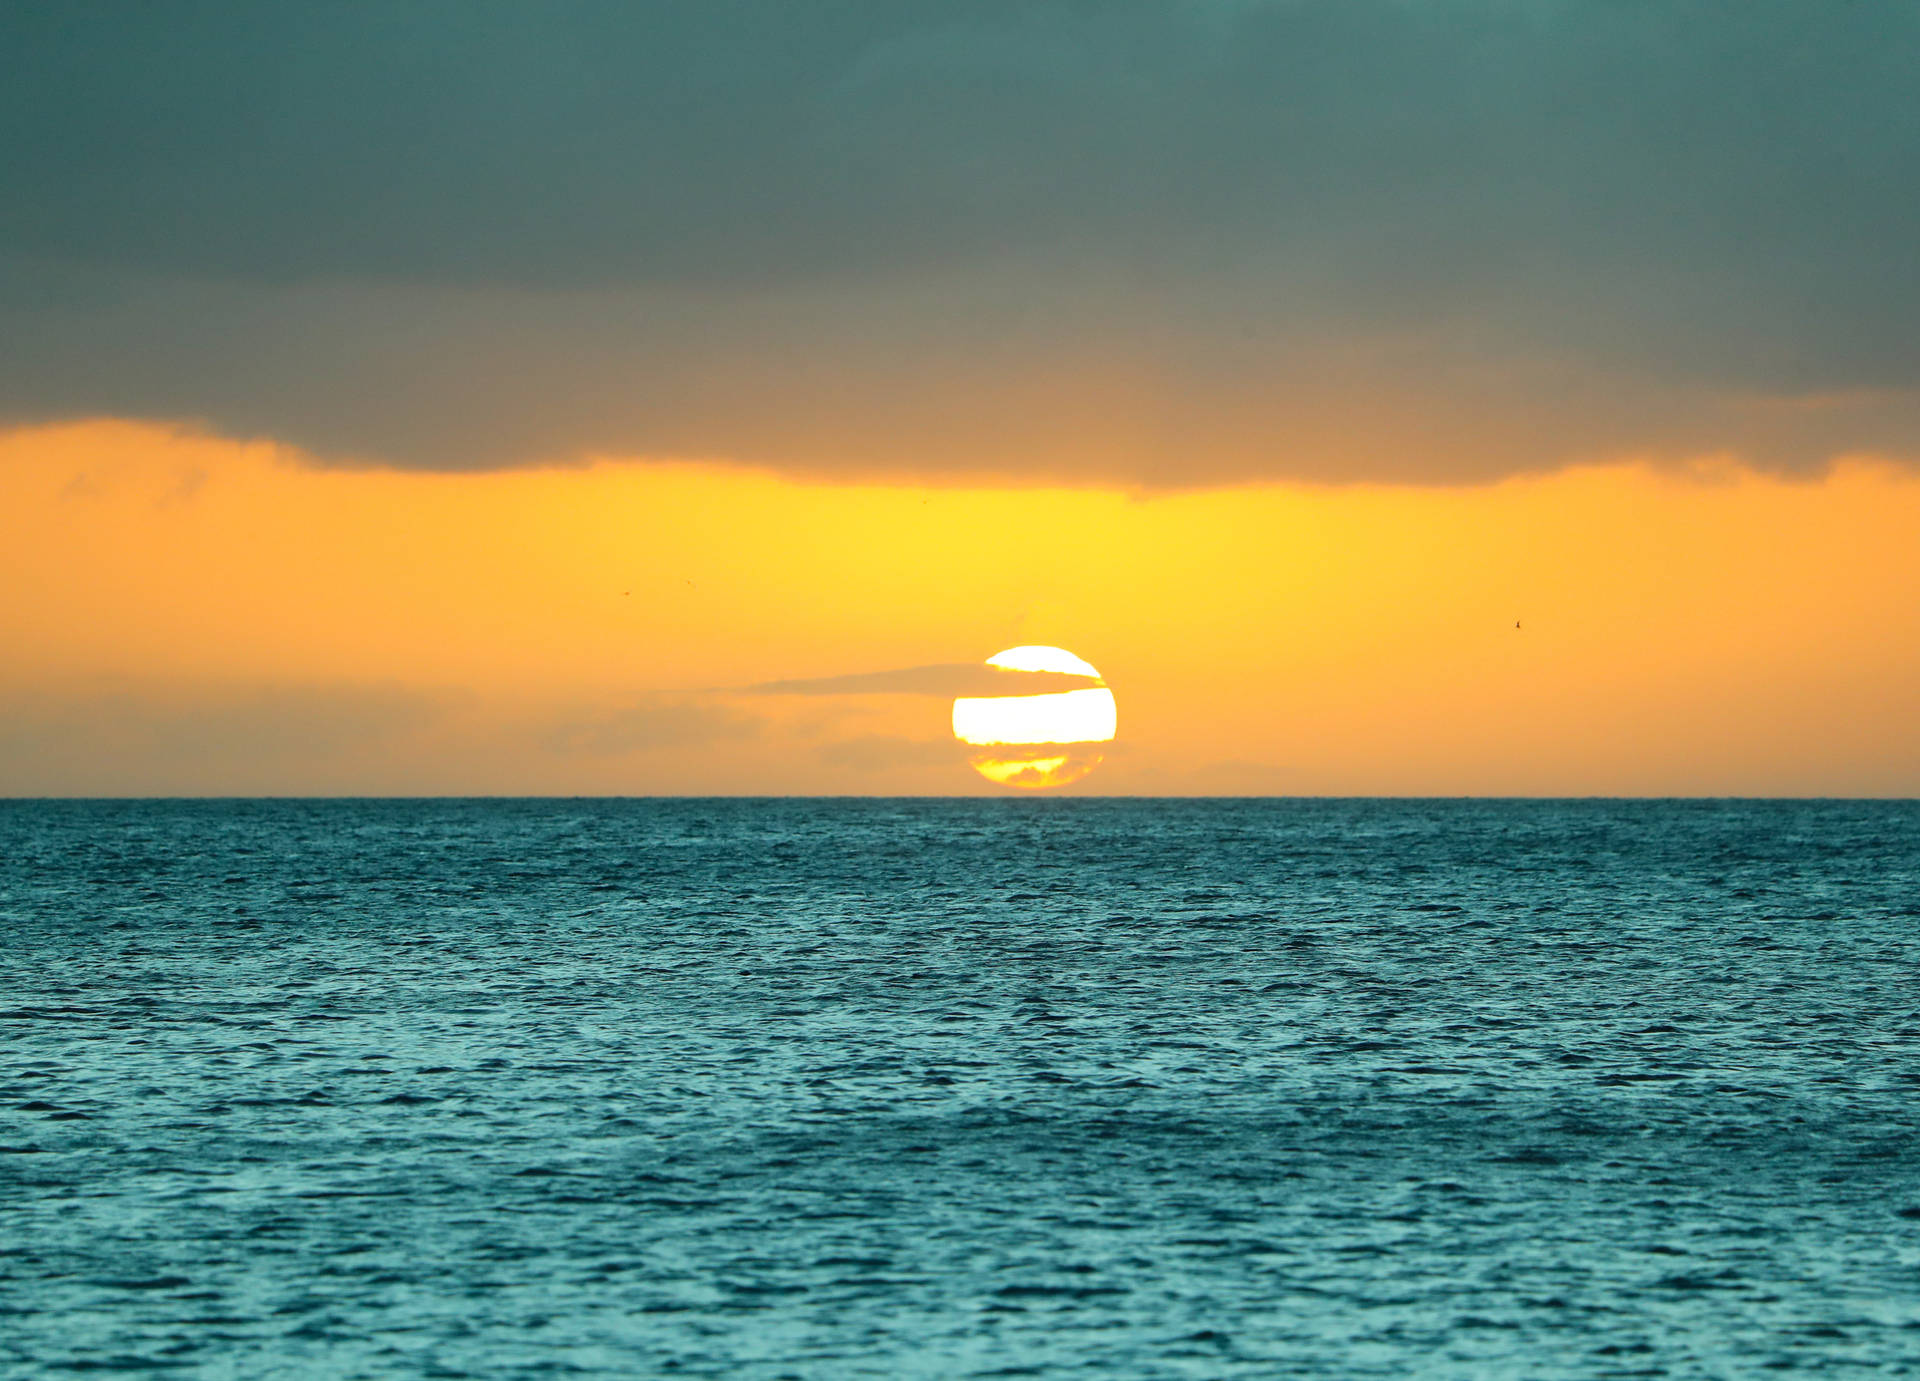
[[763, 1089]]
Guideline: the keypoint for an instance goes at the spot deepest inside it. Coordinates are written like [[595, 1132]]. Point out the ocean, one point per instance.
[[959, 1088]]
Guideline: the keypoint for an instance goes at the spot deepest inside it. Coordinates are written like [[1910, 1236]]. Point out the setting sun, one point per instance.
[[1037, 741]]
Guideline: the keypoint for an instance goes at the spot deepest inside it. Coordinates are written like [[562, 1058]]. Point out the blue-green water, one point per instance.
[[944, 1088]]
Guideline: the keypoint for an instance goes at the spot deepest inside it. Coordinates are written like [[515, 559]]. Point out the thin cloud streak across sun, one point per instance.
[[943, 679]]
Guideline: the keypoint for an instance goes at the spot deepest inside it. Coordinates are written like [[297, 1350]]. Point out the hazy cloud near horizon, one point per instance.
[[133, 736], [1126, 242]]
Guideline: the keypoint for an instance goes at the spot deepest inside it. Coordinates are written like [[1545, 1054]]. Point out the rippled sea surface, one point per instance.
[[769, 1089]]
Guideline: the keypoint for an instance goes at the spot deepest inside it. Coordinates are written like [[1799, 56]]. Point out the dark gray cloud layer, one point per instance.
[[1162, 242]]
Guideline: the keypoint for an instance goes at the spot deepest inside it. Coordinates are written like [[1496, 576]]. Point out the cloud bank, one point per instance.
[[1139, 243]]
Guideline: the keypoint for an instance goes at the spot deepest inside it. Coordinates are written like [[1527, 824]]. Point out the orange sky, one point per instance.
[[184, 614]]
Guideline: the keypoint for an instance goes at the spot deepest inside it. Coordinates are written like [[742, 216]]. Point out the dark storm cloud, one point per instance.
[[1152, 242], [949, 679]]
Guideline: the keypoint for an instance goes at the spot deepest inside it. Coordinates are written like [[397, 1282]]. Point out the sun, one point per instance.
[[1035, 741]]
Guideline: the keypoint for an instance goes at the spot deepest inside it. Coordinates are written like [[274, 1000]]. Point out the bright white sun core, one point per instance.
[[1037, 740]]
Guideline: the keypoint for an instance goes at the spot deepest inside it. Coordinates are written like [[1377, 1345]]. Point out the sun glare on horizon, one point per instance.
[[1038, 741]]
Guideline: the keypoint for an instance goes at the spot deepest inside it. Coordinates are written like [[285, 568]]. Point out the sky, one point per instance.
[[597, 398]]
